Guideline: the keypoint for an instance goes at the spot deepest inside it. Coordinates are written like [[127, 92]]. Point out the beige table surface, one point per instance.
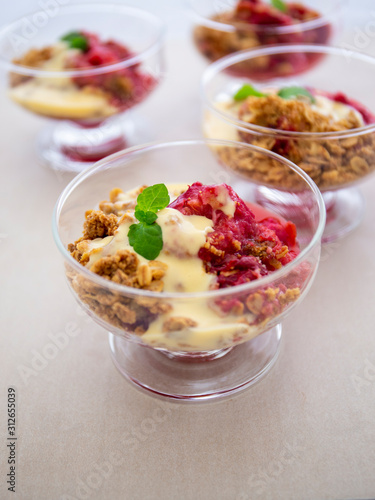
[[307, 431]]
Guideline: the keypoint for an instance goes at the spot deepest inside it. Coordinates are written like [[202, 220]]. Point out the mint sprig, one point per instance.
[[147, 217], [293, 92], [285, 93], [247, 91], [153, 198], [146, 237], [76, 40], [279, 5]]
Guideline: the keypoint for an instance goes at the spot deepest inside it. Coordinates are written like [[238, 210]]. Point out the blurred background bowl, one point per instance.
[[89, 126], [217, 35]]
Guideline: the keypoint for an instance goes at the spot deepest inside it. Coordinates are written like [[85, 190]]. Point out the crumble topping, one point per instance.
[[124, 268], [34, 58], [293, 115], [99, 225], [330, 162]]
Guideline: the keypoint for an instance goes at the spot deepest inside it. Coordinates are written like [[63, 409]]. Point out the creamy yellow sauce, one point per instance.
[[185, 272], [337, 110], [212, 332], [58, 96], [215, 127], [183, 236], [228, 206]]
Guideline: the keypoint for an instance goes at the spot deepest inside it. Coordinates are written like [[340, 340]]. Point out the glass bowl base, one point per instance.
[[196, 377], [70, 147], [345, 210]]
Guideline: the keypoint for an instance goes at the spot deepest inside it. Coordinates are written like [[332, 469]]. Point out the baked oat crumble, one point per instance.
[[330, 161]]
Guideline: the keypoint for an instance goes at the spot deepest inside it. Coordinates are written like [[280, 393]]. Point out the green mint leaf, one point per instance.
[[280, 5], [146, 239], [76, 40], [293, 92], [147, 217], [153, 198], [70, 35], [246, 91]]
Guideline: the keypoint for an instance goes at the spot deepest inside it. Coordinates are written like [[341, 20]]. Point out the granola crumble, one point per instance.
[[34, 58], [330, 162]]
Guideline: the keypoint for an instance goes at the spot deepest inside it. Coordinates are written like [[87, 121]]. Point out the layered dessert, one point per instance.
[[307, 126], [255, 23], [183, 240], [85, 97]]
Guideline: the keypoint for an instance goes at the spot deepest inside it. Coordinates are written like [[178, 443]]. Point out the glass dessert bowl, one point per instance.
[[85, 66], [322, 121], [223, 28], [192, 285]]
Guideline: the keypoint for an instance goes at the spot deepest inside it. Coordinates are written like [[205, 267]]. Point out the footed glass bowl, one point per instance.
[[217, 35], [235, 335], [336, 161], [87, 93]]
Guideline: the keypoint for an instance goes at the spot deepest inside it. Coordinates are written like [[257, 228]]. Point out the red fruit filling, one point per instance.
[[258, 12], [240, 248], [127, 86]]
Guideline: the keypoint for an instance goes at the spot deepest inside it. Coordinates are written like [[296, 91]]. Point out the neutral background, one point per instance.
[[307, 431]]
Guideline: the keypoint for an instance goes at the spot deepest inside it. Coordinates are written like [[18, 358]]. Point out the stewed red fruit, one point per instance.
[[240, 248], [127, 85]]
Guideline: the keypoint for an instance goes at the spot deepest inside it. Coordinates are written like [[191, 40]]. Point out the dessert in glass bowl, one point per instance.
[[182, 272], [233, 26], [85, 68], [321, 122], [185, 239]]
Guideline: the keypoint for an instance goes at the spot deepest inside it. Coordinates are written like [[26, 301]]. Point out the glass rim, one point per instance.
[[209, 294], [225, 62], [152, 48], [294, 28]]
